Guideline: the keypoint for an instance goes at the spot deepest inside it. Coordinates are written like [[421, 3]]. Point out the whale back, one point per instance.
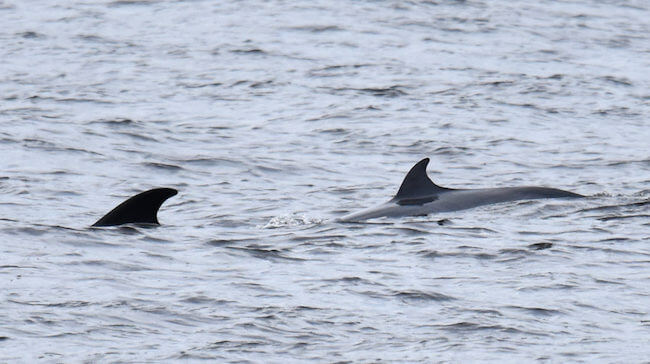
[[141, 208], [418, 195]]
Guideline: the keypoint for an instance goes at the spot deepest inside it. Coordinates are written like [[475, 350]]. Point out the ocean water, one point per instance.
[[273, 118]]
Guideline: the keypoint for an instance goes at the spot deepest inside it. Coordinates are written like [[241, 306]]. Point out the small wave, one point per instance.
[[392, 91], [30, 35], [618, 81], [200, 299], [537, 311], [352, 280], [267, 254], [117, 266], [248, 51], [72, 304], [116, 121], [163, 166], [227, 242], [616, 207], [422, 296], [139, 137], [622, 217], [292, 220], [317, 28], [540, 246], [201, 85], [465, 326], [389, 92], [131, 2], [428, 253]]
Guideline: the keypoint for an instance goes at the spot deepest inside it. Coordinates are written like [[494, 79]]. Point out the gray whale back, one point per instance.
[[418, 195]]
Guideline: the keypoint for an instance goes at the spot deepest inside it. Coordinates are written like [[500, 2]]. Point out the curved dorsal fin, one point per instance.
[[417, 183], [141, 208]]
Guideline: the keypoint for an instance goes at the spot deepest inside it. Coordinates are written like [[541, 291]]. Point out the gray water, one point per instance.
[[273, 118]]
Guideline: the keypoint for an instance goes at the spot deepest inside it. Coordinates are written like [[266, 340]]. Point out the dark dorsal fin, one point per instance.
[[141, 208], [417, 184]]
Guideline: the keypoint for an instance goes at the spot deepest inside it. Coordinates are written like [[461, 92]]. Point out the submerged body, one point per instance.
[[418, 196]]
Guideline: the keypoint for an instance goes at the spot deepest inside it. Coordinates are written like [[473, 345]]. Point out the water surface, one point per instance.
[[274, 118]]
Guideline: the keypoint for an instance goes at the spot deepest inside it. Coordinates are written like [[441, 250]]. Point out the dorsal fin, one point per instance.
[[141, 208], [417, 184]]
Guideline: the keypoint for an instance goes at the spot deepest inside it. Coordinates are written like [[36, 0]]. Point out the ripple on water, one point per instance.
[[292, 221], [266, 254], [419, 296]]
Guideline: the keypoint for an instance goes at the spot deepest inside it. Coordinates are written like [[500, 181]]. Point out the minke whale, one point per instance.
[[139, 209], [419, 196]]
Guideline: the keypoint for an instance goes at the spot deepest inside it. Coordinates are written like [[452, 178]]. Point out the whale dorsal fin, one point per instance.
[[417, 184], [141, 208]]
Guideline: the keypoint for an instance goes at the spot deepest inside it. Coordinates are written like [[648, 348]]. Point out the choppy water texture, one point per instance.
[[273, 118]]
